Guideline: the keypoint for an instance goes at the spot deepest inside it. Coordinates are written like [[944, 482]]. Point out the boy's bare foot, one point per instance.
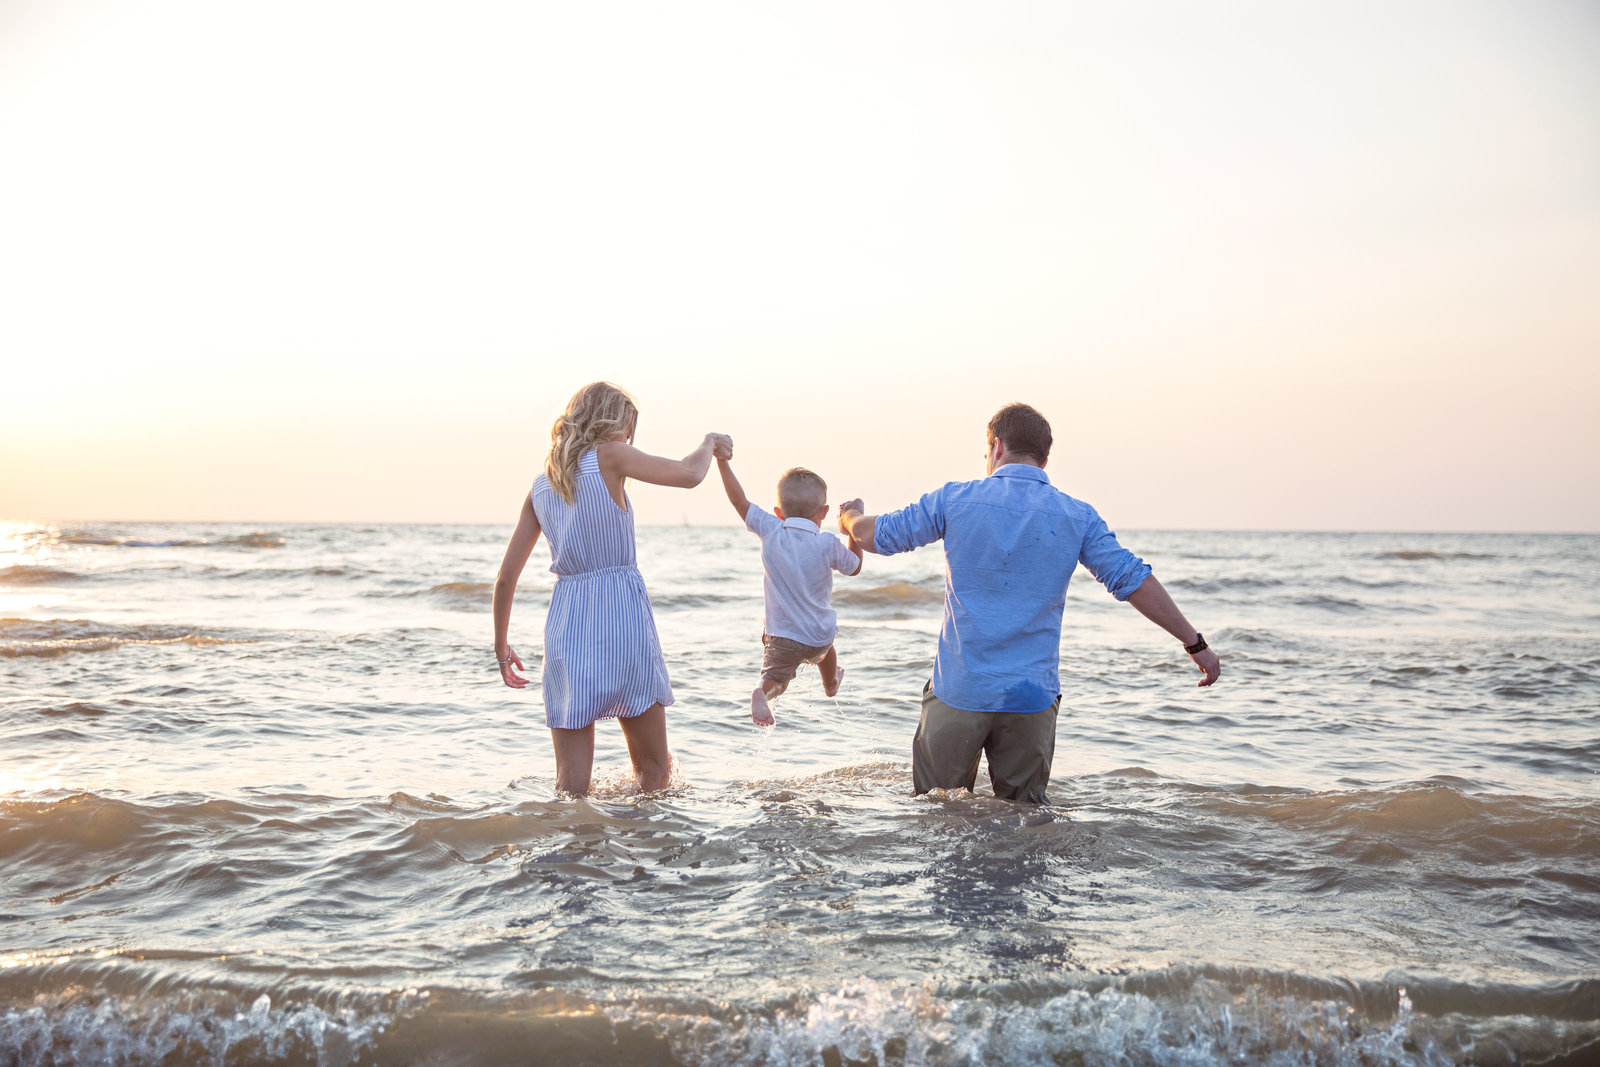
[[760, 711], [832, 688]]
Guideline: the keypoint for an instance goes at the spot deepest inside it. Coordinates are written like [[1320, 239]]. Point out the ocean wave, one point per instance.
[[1197, 1016], [38, 574], [1439, 817], [1419, 554], [1224, 585], [1392, 583], [128, 542], [1330, 603], [461, 596], [282, 574], [894, 594], [1244, 635], [680, 601], [258, 539], [196, 1026], [60, 637]]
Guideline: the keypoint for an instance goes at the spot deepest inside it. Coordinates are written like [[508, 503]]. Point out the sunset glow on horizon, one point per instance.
[[1262, 268]]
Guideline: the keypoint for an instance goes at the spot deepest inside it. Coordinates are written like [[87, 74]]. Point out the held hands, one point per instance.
[[848, 510], [1210, 666], [721, 445], [507, 675]]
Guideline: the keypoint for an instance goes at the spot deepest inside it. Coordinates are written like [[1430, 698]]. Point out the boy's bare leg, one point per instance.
[[760, 710], [828, 665]]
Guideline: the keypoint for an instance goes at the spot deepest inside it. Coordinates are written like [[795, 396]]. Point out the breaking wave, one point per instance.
[[28, 574], [1200, 1017], [895, 594], [60, 637]]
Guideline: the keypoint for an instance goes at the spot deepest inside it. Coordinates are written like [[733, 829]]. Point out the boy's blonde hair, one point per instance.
[[596, 413], [801, 493]]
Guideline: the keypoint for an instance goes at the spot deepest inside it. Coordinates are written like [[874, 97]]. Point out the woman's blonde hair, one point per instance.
[[596, 413]]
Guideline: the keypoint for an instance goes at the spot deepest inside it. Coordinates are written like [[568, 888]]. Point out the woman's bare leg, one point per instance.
[[574, 759], [647, 748]]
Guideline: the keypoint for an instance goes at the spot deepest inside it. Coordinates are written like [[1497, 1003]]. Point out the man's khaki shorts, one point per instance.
[[949, 742], [781, 657]]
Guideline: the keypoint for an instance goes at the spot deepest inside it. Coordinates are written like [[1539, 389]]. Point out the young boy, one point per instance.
[[798, 560]]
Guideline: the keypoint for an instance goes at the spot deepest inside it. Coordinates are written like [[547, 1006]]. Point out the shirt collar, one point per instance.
[[798, 523], [1022, 470]]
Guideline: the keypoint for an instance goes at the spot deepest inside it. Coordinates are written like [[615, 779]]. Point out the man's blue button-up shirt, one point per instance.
[[1011, 541]]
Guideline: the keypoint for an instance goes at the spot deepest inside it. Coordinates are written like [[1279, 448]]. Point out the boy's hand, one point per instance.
[[848, 508], [721, 445]]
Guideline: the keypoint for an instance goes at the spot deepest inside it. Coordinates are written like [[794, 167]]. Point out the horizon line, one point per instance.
[[261, 523]]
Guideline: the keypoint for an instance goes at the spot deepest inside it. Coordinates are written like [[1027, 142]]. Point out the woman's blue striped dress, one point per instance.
[[602, 656]]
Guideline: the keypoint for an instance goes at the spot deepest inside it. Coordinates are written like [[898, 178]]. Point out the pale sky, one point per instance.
[[1263, 265]]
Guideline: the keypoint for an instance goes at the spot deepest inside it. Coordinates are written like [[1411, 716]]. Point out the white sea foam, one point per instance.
[[200, 1028]]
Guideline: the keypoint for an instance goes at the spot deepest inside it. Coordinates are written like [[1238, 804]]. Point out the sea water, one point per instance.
[[263, 799]]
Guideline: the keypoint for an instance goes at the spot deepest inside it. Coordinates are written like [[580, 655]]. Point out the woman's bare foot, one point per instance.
[[832, 688], [760, 711]]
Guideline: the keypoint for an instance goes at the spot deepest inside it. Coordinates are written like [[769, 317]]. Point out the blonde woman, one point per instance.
[[602, 657]]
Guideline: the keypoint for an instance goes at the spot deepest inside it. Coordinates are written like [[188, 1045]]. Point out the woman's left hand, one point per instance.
[[509, 676]]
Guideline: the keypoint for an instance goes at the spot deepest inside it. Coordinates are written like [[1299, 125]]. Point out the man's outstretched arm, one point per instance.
[[1155, 603]]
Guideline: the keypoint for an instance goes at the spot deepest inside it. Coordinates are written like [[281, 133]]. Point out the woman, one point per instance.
[[602, 658]]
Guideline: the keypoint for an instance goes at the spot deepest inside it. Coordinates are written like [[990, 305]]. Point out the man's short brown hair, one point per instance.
[[801, 493], [1023, 429]]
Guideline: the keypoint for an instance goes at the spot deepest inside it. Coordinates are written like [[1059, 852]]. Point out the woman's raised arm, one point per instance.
[[523, 538], [620, 460]]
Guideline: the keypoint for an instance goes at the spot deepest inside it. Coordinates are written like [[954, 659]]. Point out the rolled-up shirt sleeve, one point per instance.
[[912, 526], [1120, 571]]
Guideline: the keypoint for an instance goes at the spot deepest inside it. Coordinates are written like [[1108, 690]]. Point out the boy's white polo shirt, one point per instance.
[[799, 560]]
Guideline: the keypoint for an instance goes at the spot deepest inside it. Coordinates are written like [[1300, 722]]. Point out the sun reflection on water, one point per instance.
[[26, 542], [17, 783]]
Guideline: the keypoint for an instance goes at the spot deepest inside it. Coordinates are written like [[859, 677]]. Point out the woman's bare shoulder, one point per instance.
[[614, 455]]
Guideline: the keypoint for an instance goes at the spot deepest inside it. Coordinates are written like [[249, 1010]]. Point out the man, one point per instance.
[[1011, 541]]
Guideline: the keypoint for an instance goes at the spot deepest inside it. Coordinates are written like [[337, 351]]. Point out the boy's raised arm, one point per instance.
[[735, 491]]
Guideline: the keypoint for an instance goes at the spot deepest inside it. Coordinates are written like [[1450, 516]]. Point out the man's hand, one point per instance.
[[1209, 665], [860, 528]]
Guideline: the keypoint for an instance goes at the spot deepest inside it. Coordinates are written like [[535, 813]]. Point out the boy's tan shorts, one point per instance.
[[781, 657]]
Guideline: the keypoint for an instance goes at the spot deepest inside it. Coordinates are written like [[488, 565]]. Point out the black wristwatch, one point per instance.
[[1199, 644]]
